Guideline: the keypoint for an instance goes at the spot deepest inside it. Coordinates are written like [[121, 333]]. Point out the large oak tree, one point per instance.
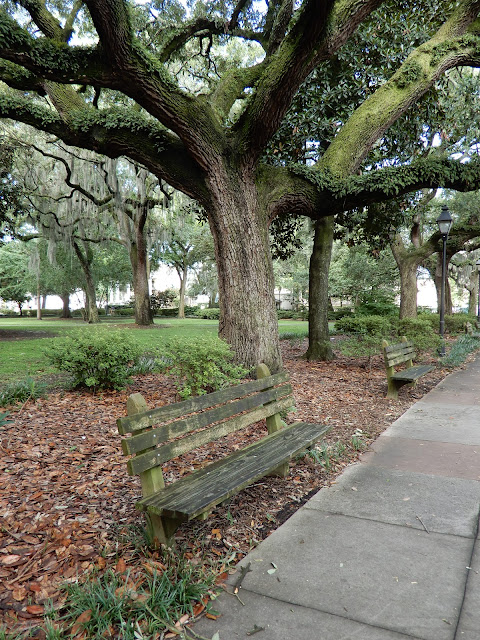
[[211, 144]]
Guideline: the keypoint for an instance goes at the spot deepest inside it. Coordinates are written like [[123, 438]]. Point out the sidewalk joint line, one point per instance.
[[335, 615], [393, 524]]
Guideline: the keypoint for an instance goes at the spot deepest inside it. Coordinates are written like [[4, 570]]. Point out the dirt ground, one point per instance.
[[66, 500]]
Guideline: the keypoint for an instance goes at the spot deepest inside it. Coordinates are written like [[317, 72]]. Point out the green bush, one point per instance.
[[96, 358], [377, 309], [375, 326], [200, 365], [420, 332], [208, 314], [21, 391], [456, 323], [340, 313], [285, 314], [173, 312]]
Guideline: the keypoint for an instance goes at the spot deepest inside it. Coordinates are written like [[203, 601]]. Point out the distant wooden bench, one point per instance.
[[401, 353], [192, 423]]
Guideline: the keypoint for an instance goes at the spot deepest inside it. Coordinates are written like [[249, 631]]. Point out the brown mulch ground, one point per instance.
[[65, 496]]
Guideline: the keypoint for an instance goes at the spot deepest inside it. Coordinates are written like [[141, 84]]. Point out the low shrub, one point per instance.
[[285, 314], [96, 358], [420, 332], [173, 312], [456, 323], [340, 313], [376, 326], [21, 391], [200, 365], [208, 314], [377, 309]]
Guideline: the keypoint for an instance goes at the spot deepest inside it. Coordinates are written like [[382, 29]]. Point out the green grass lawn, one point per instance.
[[24, 356]]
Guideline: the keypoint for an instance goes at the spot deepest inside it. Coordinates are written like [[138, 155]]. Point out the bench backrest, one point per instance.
[[398, 353], [158, 435]]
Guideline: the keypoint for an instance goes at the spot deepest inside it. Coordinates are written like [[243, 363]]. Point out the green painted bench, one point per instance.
[[162, 434], [401, 353]]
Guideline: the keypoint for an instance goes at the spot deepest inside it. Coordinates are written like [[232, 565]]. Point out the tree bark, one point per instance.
[[66, 313], [438, 285], [39, 299], [248, 317], [407, 264], [182, 275], [319, 346], [91, 311], [138, 260]]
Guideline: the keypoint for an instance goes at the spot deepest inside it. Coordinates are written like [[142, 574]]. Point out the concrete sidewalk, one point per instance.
[[390, 552]]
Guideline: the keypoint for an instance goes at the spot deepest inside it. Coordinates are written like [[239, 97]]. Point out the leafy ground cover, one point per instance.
[[67, 503]]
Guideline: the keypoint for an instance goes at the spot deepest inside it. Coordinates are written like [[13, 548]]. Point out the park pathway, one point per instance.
[[389, 552]]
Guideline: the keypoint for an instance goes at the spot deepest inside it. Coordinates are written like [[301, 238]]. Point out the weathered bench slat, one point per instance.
[[179, 427], [207, 487], [150, 459], [137, 422], [399, 359], [413, 373], [399, 347]]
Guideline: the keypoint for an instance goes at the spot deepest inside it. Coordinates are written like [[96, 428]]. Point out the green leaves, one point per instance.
[[97, 359], [200, 365]]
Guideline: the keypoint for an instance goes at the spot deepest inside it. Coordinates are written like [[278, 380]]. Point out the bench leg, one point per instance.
[[392, 391], [281, 471], [161, 530]]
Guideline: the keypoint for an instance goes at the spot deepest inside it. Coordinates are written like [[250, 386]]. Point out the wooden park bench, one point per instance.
[[401, 353], [162, 434]]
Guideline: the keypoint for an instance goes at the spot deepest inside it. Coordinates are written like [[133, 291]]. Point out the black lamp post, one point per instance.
[[444, 222], [478, 308]]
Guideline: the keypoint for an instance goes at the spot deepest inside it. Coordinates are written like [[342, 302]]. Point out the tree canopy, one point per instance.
[[153, 81]]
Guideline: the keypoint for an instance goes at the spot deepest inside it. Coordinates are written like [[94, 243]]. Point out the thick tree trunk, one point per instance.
[[39, 299], [319, 346], [138, 260], [183, 285], [438, 285], [66, 313], [239, 225], [408, 288], [472, 301], [91, 311]]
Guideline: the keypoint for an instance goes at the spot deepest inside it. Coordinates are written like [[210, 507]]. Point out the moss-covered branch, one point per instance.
[[50, 57], [114, 132], [231, 87], [451, 46], [121, 62], [315, 32], [306, 191]]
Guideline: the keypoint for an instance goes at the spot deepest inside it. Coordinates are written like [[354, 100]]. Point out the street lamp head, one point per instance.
[[444, 221]]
